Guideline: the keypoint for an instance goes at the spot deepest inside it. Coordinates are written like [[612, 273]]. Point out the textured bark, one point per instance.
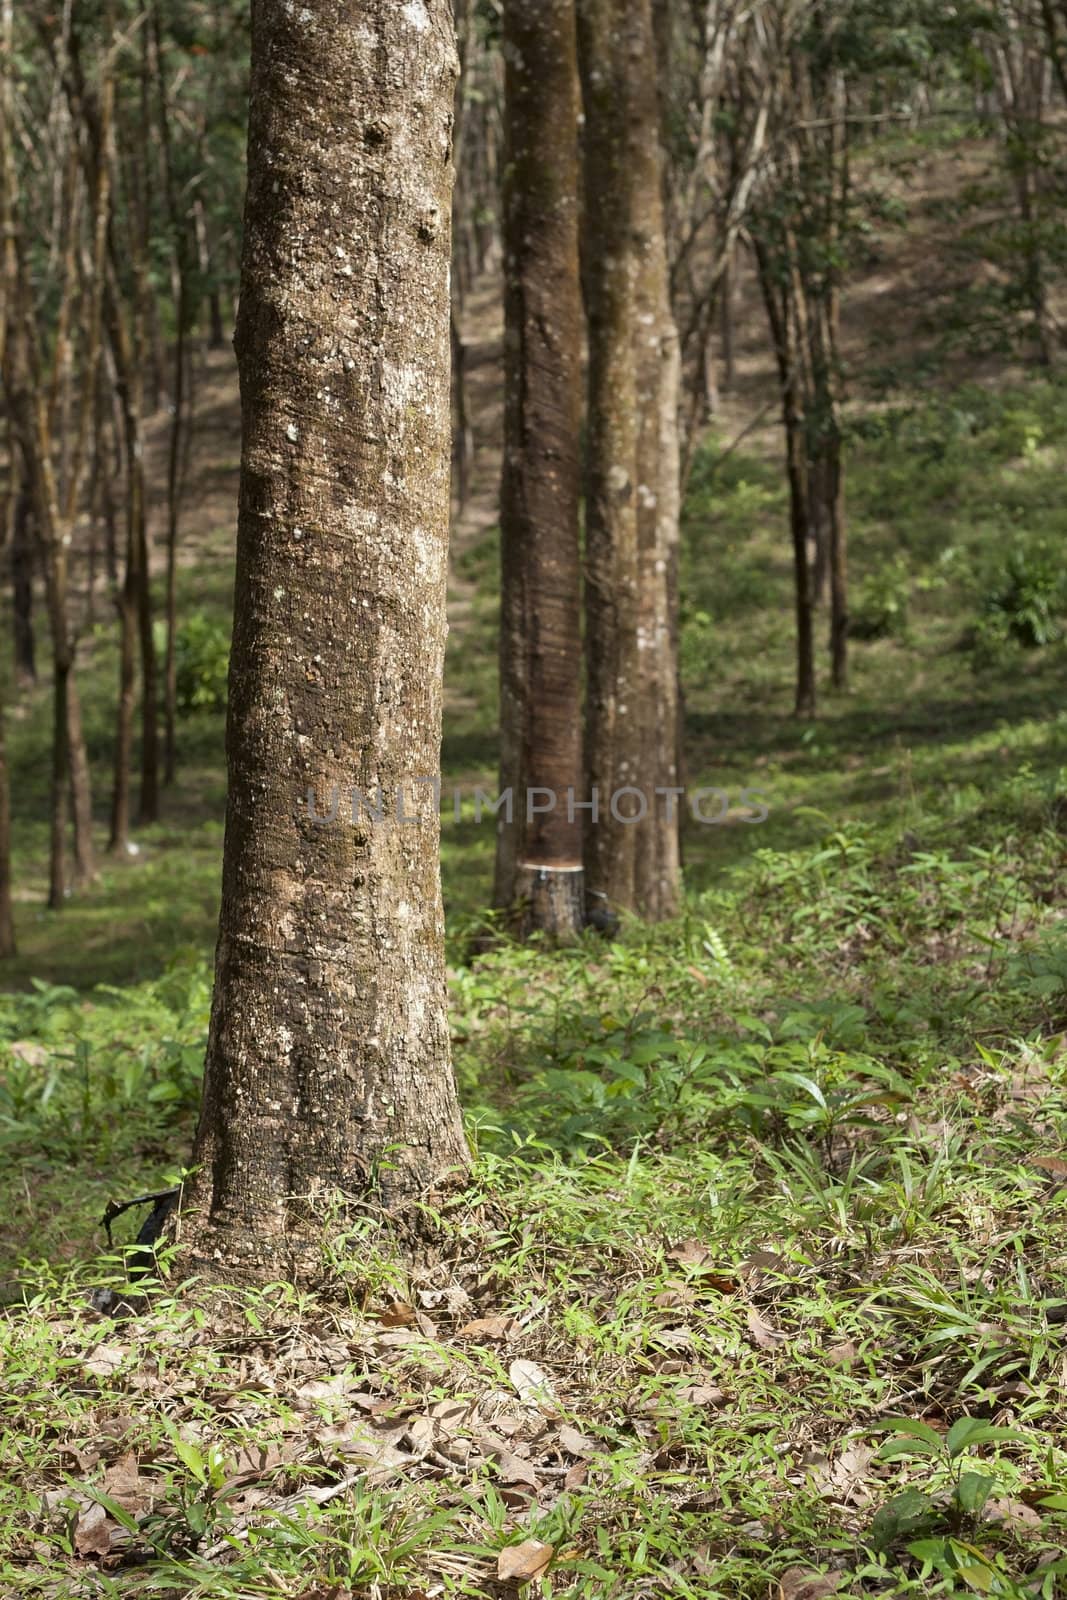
[[551, 900], [839, 617], [22, 592], [540, 632], [81, 790], [58, 888], [775, 288], [328, 1069], [7, 921], [70, 763], [8, 268], [126, 604], [632, 468], [183, 243], [37, 404]]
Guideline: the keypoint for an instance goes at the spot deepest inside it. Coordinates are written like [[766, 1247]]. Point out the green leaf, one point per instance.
[[903, 1514], [807, 1084], [981, 1578], [113, 1509], [913, 1428], [894, 1448], [189, 1456], [973, 1491], [967, 1432]]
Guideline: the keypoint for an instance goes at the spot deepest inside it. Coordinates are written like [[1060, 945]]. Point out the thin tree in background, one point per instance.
[[780, 307], [1024, 50], [8, 281], [21, 553], [797, 229], [7, 919], [328, 1069], [467, 43], [183, 247], [632, 476], [539, 853], [124, 313], [49, 375]]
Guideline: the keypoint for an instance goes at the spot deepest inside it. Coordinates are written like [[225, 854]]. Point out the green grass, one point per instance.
[[764, 1193]]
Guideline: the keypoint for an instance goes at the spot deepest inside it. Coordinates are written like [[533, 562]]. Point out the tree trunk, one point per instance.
[[829, 372], [783, 336], [52, 475], [127, 355], [22, 590], [1033, 256], [126, 602], [57, 853], [183, 246], [70, 764], [839, 618], [632, 472], [7, 921], [327, 1071], [81, 790], [727, 320], [540, 627], [462, 432], [107, 457], [216, 335]]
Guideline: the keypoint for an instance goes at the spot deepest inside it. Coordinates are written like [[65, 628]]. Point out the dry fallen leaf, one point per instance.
[[320, 1391], [105, 1359], [450, 1414], [842, 1478], [675, 1294], [512, 1468], [123, 1484], [92, 1536], [721, 1282], [575, 1443], [762, 1261], [532, 1385], [797, 1583], [702, 1394], [672, 1339], [491, 1328], [690, 1253], [253, 1462], [764, 1335], [1055, 1166], [524, 1561], [397, 1314], [1013, 1513]]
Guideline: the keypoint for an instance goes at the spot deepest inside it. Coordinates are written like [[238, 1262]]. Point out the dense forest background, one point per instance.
[[762, 1176]]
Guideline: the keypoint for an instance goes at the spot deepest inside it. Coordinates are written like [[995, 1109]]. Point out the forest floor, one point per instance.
[[761, 1285]]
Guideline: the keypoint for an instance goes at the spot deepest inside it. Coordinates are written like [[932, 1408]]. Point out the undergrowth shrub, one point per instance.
[[82, 1075], [1025, 602], [202, 661], [881, 608]]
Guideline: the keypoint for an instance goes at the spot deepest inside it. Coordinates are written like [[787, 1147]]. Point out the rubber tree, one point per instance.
[[328, 1074], [539, 851], [631, 552]]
